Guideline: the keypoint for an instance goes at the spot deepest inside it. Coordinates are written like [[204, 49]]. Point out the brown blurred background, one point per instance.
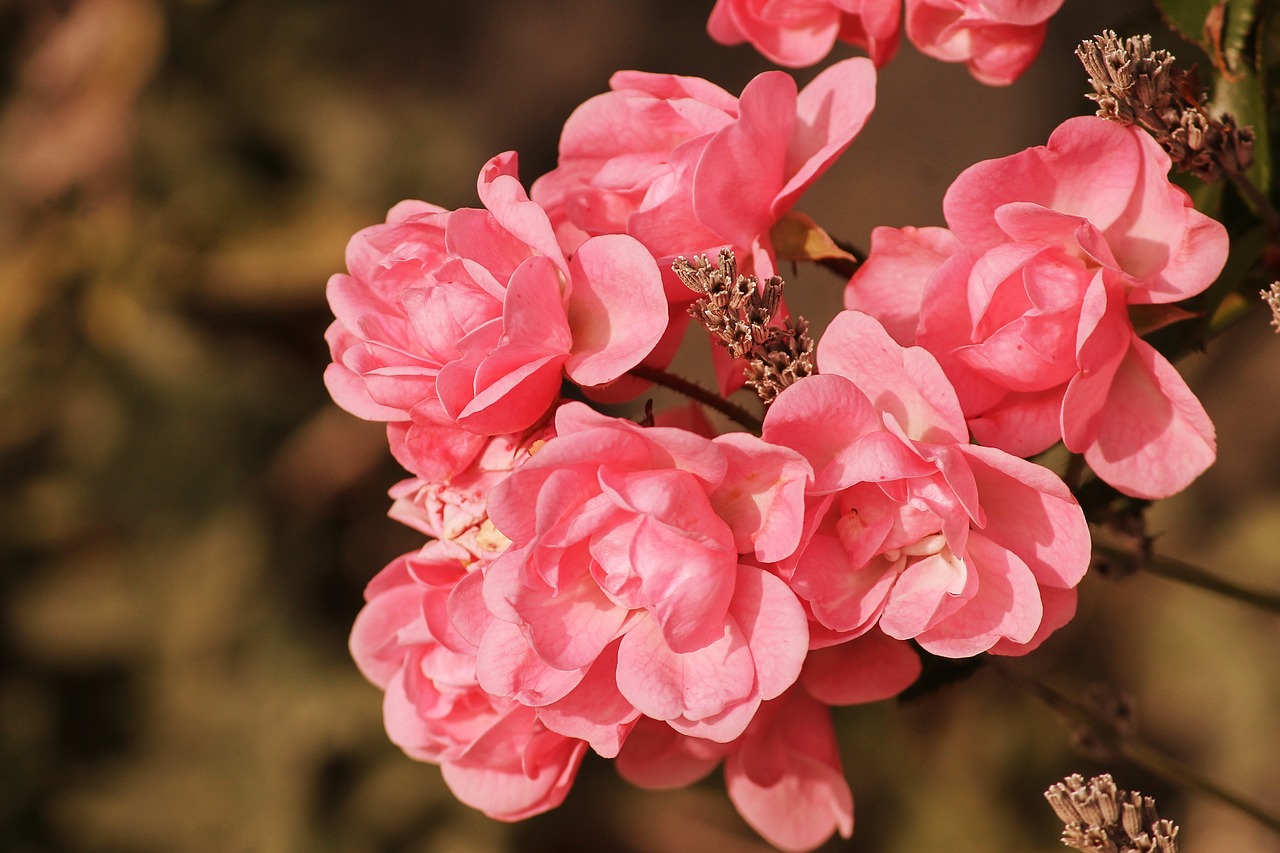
[[186, 522]]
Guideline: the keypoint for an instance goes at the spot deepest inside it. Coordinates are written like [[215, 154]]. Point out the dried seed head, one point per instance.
[[742, 313], [1271, 296], [1136, 84], [1101, 818]]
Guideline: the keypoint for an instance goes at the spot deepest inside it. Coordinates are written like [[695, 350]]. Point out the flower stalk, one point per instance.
[[1187, 573], [694, 391], [1116, 738]]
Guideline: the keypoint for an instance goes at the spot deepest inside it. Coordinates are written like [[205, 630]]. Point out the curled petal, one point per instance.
[[657, 756], [775, 628], [830, 422], [594, 711], [617, 309], [906, 383], [762, 496], [865, 669], [508, 667], [1033, 514], [664, 685], [797, 42], [889, 285], [743, 166], [514, 790], [1153, 436], [786, 779], [830, 112], [1007, 604]]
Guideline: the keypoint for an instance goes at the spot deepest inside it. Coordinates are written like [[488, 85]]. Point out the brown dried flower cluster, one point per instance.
[[1271, 296], [740, 312], [1101, 818], [1134, 84]]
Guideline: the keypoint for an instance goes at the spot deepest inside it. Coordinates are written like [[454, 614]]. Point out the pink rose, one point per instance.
[[463, 324], [996, 39], [686, 168], [1027, 302], [625, 591], [798, 33], [965, 549], [494, 754]]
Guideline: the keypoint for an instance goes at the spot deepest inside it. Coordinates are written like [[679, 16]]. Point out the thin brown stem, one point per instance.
[[1156, 762], [1125, 746], [694, 391], [1184, 572]]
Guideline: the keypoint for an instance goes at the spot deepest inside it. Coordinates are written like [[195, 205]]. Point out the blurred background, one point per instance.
[[186, 521]]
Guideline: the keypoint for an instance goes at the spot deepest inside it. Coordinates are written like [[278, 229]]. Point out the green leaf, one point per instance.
[[1229, 36], [1188, 17], [1267, 67], [1149, 318], [1241, 17]]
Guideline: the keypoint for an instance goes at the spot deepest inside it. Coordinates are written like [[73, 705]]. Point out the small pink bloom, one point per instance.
[[997, 39], [1026, 301], [965, 549], [495, 755], [625, 591], [454, 511], [462, 324], [686, 168], [798, 33]]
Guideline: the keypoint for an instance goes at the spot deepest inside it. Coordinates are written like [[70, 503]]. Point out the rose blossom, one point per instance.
[[625, 591], [494, 753], [462, 324], [1027, 302], [686, 168], [996, 39], [965, 549], [798, 33]]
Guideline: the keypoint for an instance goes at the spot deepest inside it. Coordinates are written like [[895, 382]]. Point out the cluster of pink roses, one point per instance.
[[678, 599], [996, 39]]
